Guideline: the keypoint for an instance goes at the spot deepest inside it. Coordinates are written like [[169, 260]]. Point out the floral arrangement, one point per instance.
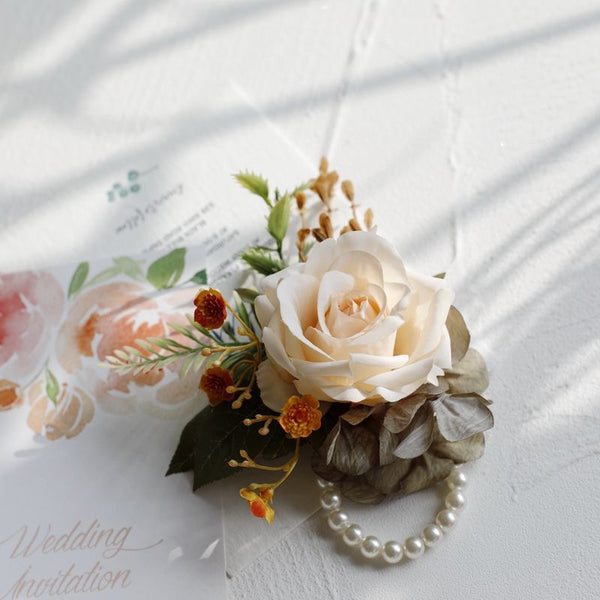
[[344, 348]]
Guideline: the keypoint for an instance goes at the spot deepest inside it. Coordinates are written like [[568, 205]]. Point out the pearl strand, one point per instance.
[[393, 551]]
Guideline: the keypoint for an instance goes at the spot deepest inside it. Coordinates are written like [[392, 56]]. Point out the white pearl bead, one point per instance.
[[392, 552], [330, 499], [323, 483], [370, 547], [455, 499], [414, 547], [337, 520], [446, 519], [353, 535], [456, 479], [432, 534]]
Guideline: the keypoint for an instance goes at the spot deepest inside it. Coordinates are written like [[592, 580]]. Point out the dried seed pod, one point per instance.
[[345, 229], [303, 234], [348, 190], [325, 223], [324, 166], [319, 234], [354, 225], [369, 218], [300, 200]]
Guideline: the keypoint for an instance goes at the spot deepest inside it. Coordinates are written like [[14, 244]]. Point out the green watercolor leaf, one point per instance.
[[200, 277], [52, 387], [255, 184], [279, 219], [104, 276], [440, 276], [130, 267], [166, 271], [79, 277]]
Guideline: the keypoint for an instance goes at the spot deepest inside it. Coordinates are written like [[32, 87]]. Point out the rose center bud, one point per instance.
[[350, 312]]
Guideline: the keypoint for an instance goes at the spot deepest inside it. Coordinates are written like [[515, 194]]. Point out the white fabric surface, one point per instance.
[[471, 128]]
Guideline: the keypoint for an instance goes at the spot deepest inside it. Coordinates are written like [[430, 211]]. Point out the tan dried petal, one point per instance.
[[348, 190], [325, 223], [354, 225], [369, 218]]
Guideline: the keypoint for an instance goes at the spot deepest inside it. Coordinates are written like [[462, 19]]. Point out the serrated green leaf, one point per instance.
[[166, 271], [52, 387], [255, 184], [79, 277], [200, 277], [261, 262], [279, 219]]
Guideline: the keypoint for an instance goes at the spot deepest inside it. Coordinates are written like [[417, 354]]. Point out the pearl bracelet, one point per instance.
[[393, 551]]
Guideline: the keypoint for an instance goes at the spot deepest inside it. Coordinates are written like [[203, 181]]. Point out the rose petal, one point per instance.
[[264, 309], [364, 268], [333, 282], [274, 391]]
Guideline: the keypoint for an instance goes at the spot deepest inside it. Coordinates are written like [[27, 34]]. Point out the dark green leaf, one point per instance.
[[79, 277], [262, 262], [440, 276], [166, 271], [200, 277], [354, 450], [401, 413], [387, 479], [460, 452], [216, 435], [255, 184]]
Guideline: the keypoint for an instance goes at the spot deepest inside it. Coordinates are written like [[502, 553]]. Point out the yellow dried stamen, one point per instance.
[[319, 235]]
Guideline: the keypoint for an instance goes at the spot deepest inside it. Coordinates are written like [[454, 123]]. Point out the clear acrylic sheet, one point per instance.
[[188, 201]]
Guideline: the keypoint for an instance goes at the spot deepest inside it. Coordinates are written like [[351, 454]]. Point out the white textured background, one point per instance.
[[472, 128]]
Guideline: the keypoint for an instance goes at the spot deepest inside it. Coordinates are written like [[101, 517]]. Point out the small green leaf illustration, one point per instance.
[[166, 271], [440, 276], [200, 277], [279, 219], [52, 387], [103, 276], [79, 277], [129, 267], [255, 184]]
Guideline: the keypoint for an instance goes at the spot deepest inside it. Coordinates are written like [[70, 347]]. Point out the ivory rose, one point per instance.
[[352, 324]]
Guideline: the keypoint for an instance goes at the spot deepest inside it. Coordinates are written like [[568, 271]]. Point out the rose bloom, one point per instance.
[[352, 324], [73, 411], [30, 305]]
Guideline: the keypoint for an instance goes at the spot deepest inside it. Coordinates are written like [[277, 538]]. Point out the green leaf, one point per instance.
[[130, 267], [247, 295], [103, 276], [279, 219], [262, 262], [166, 271], [440, 276], [255, 184], [216, 435], [52, 387], [79, 277], [200, 277]]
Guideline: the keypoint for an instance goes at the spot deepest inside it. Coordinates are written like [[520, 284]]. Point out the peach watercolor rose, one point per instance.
[[352, 324], [31, 304], [109, 317], [74, 409]]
